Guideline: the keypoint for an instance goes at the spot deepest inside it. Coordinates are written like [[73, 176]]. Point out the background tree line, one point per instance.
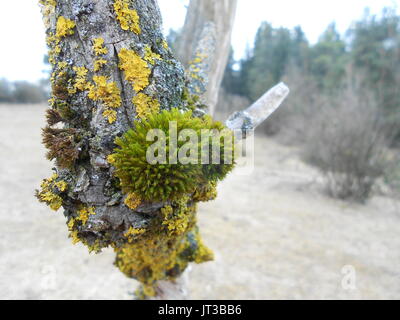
[[344, 107], [23, 91], [367, 57]]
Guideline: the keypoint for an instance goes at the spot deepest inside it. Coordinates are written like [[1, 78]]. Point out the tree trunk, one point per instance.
[[111, 67], [221, 15]]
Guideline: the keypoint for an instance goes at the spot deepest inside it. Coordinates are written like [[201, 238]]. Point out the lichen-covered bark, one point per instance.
[[90, 181], [202, 13], [111, 67]]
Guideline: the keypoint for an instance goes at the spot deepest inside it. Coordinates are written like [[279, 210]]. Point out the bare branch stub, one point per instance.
[[259, 111], [200, 66]]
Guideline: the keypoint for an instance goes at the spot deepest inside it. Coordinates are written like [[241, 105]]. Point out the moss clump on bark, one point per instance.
[[169, 181]]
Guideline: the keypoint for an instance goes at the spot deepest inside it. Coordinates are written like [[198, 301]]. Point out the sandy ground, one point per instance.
[[275, 234]]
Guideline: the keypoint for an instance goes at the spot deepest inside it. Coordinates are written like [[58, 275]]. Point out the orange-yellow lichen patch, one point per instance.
[[136, 70], [98, 46], [132, 201], [64, 27], [83, 214], [52, 42], [176, 221], [106, 92], [51, 3], [203, 253], [99, 63], [133, 232], [111, 159], [150, 56], [110, 114], [62, 65], [47, 193], [80, 80], [145, 105], [128, 18], [74, 236]]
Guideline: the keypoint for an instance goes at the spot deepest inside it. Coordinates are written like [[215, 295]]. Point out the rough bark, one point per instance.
[[207, 14]]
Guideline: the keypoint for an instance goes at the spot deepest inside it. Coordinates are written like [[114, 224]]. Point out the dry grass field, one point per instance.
[[274, 232]]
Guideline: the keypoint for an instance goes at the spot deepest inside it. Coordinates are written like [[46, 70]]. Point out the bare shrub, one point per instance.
[[392, 172], [5, 91], [291, 120], [346, 141]]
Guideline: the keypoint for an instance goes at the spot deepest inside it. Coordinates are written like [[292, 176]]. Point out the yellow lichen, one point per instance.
[[95, 247], [194, 69], [145, 105], [108, 93], [128, 18], [177, 221], [52, 42], [64, 27], [133, 232], [136, 70], [74, 233], [206, 193], [154, 254], [47, 193], [83, 214], [98, 46], [150, 56], [111, 159], [111, 115], [148, 259], [98, 64], [74, 236], [203, 253], [71, 224], [80, 80], [165, 44], [132, 201], [61, 185], [62, 65], [198, 58], [48, 2], [164, 249]]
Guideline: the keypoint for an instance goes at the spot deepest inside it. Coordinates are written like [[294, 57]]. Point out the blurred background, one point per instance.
[[319, 218]]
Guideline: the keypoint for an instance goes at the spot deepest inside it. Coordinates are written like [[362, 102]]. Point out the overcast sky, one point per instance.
[[23, 39]]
